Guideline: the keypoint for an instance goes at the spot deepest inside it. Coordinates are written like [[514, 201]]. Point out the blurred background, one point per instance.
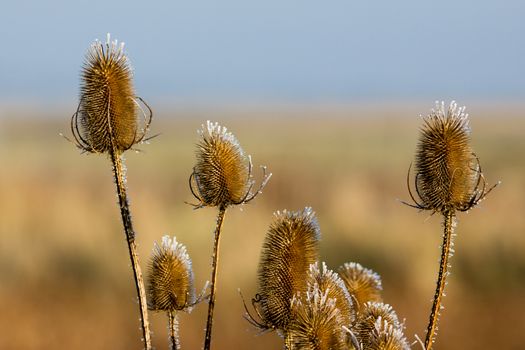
[[327, 95]]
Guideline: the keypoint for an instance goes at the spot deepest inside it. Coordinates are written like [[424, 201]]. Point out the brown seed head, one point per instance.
[[363, 284], [327, 281], [370, 313], [290, 246], [385, 336], [106, 118], [316, 324], [170, 284], [446, 169], [222, 175]]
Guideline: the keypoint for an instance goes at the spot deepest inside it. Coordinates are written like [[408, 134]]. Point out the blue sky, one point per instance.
[[273, 50]]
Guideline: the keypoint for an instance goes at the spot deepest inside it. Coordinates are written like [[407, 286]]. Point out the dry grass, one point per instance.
[[64, 280]]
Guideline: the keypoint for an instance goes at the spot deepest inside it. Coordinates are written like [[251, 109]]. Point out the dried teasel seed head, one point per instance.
[[385, 336], [290, 246], [317, 323], [107, 116], [328, 281], [170, 283], [223, 173], [447, 171], [363, 284], [370, 313]]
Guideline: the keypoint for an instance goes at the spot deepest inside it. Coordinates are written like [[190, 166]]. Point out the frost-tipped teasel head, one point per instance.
[[370, 313], [316, 323], [222, 175], [290, 247], [448, 174], [363, 284], [107, 117], [170, 277], [328, 281], [385, 336]]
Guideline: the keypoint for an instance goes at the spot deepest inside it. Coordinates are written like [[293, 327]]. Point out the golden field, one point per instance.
[[65, 281]]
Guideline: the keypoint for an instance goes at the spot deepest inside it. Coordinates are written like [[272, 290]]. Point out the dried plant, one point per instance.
[[370, 313], [107, 121], [363, 284], [223, 173], [448, 178], [290, 247], [313, 307], [170, 283], [222, 177], [448, 173], [328, 281], [386, 336], [317, 322], [319, 316], [310, 306]]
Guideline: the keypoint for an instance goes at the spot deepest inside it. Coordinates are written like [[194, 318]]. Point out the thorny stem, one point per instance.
[[215, 261], [449, 218], [118, 172], [172, 326]]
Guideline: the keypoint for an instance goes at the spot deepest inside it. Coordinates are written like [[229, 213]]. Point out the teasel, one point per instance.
[[222, 177], [171, 284], [330, 282], [107, 121], [363, 284], [291, 245], [316, 322], [385, 336], [370, 313], [448, 178]]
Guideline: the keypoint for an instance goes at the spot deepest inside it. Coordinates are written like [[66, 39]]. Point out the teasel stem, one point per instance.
[[213, 287], [449, 217], [118, 172], [172, 327]]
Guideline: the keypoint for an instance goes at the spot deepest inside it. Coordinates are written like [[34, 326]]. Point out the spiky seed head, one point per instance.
[[316, 324], [289, 248], [446, 169], [222, 173], [106, 119], [370, 313], [328, 281], [385, 336], [171, 285], [363, 284]]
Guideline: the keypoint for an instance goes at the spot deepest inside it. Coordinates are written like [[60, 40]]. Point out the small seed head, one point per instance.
[[370, 313], [317, 323], [290, 246], [363, 284], [222, 173], [446, 168], [385, 336], [171, 285], [106, 118], [328, 281]]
